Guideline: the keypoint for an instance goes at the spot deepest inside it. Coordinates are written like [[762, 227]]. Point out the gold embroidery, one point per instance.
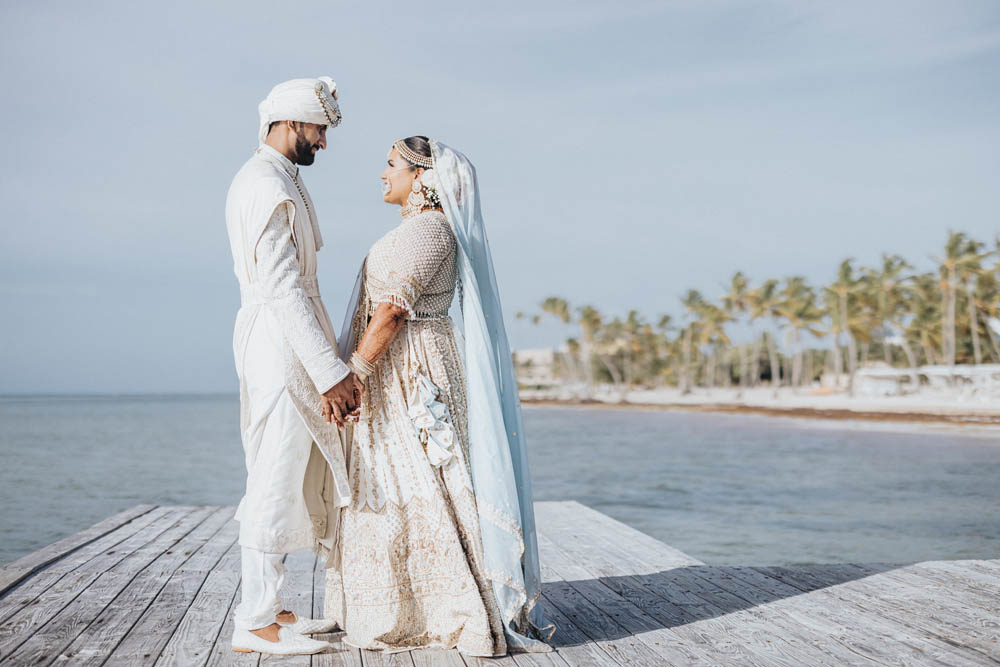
[[411, 570]]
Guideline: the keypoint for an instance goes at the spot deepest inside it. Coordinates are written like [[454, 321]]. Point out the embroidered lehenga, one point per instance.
[[411, 570]]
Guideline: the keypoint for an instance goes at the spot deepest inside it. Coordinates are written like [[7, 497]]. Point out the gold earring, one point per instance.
[[416, 197]]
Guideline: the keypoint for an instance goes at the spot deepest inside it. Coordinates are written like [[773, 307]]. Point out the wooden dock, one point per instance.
[[157, 585]]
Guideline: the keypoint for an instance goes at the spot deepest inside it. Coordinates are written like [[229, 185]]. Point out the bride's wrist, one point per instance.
[[361, 366]]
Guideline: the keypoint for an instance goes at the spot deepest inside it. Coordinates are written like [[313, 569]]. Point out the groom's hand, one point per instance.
[[341, 400], [327, 410]]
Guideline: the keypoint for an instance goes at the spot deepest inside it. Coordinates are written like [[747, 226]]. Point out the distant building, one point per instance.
[[982, 380], [535, 367]]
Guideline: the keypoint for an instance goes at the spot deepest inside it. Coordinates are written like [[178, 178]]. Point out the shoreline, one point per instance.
[[842, 414]]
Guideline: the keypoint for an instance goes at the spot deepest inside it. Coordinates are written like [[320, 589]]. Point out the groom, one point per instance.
[[292, 383]]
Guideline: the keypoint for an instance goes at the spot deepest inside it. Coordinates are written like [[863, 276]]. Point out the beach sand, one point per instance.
[[928, 407]]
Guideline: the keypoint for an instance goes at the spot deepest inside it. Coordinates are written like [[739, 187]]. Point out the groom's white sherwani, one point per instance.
[[286, 358]]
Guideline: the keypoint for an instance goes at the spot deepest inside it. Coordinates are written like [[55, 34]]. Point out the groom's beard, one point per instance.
[[304, 153]]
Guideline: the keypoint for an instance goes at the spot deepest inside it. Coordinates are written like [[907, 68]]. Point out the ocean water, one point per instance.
[[727, 489]]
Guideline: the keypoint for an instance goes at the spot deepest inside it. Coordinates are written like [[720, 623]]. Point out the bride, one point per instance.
[[438, 545]]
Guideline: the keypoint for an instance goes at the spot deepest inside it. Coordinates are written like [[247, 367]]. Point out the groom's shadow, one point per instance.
[[616, 607]]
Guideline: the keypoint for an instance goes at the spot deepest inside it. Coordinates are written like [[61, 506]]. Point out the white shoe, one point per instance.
[[310, 626], [289, 643]]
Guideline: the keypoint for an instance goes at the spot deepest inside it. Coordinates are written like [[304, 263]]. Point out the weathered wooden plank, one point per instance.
[[726, 626], [145, 640], [718, 625], [806, 578], [790, 610], [341, 655], [775, 596], [605, 547], [612, 556], [572, 644], [28, 590], [382, 659], [795, 614], [958, 573], [199, 629], [601, 629], [551, 659], [604, 554], [943, 583], [60, 630], [99, 639], [632, 621], [603, 633], [16, 571], [571, 522], [503, 661], [853, 635], [947, 586], [990, 567], [868, 632], [46, 575], [932, 610], [19, 627], [222, 653], [437, 657]]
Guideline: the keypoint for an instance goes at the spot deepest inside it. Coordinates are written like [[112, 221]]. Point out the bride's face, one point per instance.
[[397, 179]]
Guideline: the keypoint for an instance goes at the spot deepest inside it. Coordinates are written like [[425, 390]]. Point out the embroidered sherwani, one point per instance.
[[411, 570], [286, 357]]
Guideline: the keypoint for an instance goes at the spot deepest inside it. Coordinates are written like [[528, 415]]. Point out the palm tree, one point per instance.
[[619, 344], [892, 296], [843, 289], [737, 303], [590, 324], [637, 340], [559, 308], [693, 302], [925, 310], [987, 305], [961, 255], [665, 348], [758, 306], [712, 333], [798, 308], [609, 346], [764, 303], [970, 273]]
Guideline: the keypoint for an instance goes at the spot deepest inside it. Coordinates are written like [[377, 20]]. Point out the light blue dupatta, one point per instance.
[[497, 450]]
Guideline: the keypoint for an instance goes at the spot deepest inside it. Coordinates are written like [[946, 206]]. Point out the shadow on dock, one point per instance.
[[685, 595]]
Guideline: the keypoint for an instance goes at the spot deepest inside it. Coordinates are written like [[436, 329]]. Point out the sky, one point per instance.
[[627, 152]]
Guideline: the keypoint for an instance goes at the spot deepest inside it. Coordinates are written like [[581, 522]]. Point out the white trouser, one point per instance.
[[260, 602]]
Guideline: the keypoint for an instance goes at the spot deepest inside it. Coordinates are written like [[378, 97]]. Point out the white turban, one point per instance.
[[304, 100]]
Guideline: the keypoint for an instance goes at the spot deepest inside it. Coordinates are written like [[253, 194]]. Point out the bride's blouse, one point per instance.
[[413, 266]]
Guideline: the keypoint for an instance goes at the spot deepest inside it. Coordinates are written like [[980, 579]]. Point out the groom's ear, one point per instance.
[[276, 124]]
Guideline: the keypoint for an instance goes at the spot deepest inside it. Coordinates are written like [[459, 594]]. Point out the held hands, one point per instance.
[[342, 403]]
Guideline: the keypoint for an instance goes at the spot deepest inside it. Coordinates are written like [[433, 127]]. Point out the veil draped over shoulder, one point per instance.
[[497, 452]]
